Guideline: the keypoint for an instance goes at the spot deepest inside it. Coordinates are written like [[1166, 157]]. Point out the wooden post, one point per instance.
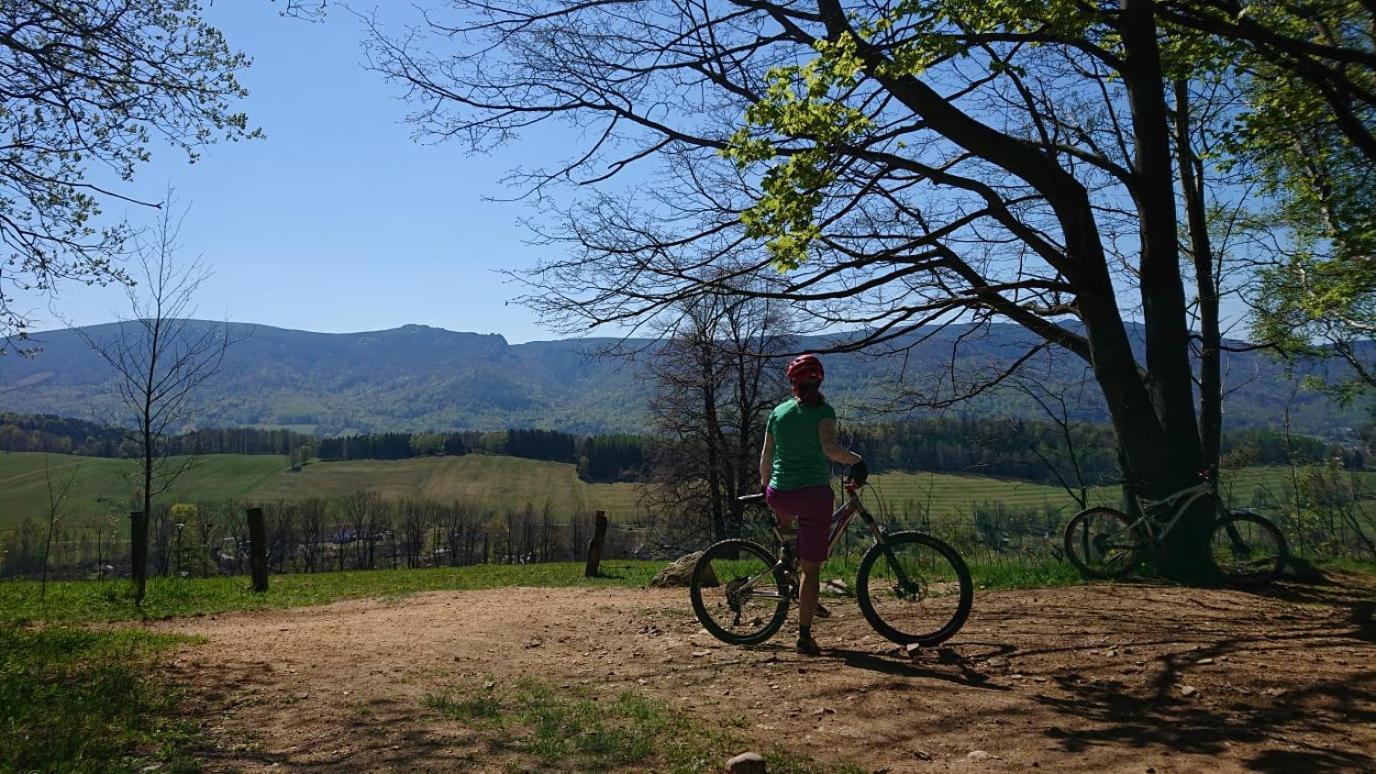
[[138, 552], [595, 546], [258, 549]]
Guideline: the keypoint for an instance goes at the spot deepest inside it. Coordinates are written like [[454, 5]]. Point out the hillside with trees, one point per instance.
[[420, 379]]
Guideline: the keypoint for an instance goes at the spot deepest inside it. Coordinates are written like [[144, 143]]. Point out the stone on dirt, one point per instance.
[[837, 586], [680, 573], [746, 763]]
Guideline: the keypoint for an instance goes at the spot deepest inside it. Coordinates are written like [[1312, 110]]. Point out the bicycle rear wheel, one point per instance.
[[1101, 543], [739, 593], [1247, 550], [914, 589]]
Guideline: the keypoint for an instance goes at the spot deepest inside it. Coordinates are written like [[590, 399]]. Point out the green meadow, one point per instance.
[[103, 486]]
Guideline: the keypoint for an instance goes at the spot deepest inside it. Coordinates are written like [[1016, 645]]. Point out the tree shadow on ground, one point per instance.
[[1159, 713], [965, 673], [1117, 717]]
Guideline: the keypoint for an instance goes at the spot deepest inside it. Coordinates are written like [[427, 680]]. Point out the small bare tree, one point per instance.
[[58, 490], [161, 357], [313, 511], [1062, 455]]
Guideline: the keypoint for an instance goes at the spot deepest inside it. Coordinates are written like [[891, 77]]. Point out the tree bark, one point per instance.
[[1164, 310], [1211, 351]]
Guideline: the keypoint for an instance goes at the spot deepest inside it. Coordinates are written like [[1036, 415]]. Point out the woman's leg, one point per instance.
[[807, 595], [814, 520]]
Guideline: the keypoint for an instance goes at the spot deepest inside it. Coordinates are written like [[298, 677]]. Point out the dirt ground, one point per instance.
[[1138, 678]]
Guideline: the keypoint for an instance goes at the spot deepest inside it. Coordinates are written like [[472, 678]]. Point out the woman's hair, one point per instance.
[[809, 393]]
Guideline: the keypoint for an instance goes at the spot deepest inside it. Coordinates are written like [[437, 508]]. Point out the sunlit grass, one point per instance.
[[572, 729], [91, 601], [80, 700]]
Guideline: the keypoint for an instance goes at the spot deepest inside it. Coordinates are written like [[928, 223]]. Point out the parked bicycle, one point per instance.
[[1245, 549], [912, 588]]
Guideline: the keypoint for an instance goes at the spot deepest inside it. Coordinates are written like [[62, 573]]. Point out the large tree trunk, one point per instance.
[[1163, 293]]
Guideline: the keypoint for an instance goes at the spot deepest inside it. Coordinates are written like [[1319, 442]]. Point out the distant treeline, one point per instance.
[[1034, 451], [61, 435], [599, 457], [58, 435]]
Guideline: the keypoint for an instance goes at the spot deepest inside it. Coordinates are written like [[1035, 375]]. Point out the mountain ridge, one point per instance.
[[424, 378]]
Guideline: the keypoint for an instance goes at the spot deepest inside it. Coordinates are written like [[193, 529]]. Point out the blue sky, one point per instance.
[[338, 221]]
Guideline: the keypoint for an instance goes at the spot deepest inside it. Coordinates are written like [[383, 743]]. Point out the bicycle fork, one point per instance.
[[905, 586]]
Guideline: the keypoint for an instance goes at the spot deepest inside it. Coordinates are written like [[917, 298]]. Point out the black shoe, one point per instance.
[[808, 646]]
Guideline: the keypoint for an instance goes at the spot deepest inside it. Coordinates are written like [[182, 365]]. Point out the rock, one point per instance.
[[978, 755], [1204, 661], [680, 573], [701, 653], [746, 763], [1188, 690], [837, 586]]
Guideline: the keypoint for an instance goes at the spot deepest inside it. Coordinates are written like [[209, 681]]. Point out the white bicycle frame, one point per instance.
[[1148, 506]]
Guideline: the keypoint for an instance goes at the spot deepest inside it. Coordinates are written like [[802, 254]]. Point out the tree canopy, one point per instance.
[[88, 89]]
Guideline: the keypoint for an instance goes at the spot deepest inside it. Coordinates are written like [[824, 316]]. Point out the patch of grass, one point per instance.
[[78, 700], [482, 709], [1023, 573], [91, 601], [575, 730]]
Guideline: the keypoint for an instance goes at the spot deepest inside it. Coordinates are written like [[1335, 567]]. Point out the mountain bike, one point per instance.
[[912, 588], [1245, 549]]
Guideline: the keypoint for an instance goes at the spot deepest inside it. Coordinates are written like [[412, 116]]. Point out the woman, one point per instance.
[[799, 439]]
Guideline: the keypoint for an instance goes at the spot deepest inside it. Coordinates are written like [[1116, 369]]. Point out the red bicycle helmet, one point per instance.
[[806, 368]]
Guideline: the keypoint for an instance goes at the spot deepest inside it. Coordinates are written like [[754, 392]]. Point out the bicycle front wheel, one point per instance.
[[914, 589], [1247, 550], [1101, 543], [739, 592]]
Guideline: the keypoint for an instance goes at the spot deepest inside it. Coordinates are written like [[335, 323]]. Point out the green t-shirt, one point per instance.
[[798, 457]]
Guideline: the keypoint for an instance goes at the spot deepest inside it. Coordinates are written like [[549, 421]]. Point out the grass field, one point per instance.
[[101, 485]]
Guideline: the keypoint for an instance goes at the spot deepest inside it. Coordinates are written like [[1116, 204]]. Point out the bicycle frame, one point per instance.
[[840, 520], [1189, 494]]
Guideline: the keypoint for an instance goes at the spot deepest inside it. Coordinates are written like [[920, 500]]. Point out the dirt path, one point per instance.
[[1100, 678]]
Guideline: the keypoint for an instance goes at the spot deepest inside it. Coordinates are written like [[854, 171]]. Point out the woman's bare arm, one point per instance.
[[766, 461], [831, 447]]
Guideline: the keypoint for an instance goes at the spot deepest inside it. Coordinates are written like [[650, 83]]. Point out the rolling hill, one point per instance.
[[500, 482], [418, 378], [102, 489]]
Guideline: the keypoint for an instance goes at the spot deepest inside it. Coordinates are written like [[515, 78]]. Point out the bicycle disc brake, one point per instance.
[[910, 590], [734, 596]]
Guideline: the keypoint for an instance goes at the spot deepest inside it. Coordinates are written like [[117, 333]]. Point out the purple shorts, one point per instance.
[[811, 505]]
